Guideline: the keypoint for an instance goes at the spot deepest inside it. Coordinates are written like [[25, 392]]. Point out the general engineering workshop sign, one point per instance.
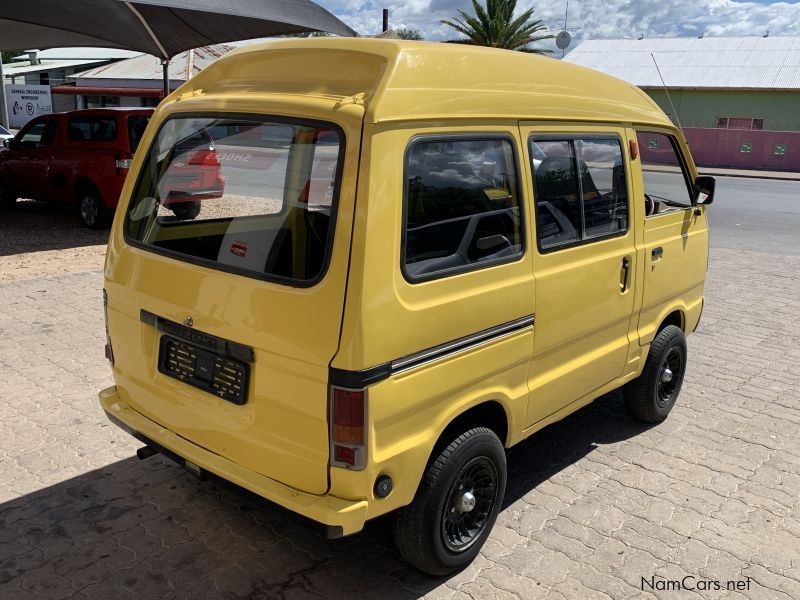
[[26, 102]]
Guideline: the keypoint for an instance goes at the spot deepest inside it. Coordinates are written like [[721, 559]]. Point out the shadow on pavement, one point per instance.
[[148, 529], [31, 226]]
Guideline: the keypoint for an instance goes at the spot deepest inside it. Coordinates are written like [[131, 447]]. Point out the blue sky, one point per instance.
[[595, 18]]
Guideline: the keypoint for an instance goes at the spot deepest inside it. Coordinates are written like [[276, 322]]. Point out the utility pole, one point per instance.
[[385, 20]]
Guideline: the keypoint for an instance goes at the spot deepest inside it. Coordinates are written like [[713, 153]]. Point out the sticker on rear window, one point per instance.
[[239, 248]]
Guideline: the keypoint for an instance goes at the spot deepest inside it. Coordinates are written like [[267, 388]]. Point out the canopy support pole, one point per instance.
[[3, 105], [165, 67], [154, 37]]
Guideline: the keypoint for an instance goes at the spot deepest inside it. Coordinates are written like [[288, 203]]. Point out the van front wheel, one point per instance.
[[652, 395], [456, 504]]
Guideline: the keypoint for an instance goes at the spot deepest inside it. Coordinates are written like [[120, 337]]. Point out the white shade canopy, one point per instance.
[[162, 28]]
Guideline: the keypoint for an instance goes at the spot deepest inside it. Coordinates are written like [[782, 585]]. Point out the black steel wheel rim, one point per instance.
[[461, 528], [672, 364]]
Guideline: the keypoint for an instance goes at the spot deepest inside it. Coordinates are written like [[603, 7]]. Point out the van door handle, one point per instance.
[[657, 253], [626, 268]]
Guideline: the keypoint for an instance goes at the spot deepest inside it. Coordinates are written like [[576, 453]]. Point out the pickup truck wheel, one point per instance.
[[94, 214], [8, 198], [186, 211], [652, 395], [456, 504]]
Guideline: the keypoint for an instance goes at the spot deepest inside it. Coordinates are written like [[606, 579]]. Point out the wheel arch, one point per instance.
[[491, 414], [674, 314], [84, 183], [677, 317]]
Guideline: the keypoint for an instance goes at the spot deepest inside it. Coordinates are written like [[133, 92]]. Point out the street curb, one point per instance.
[[765, 175]]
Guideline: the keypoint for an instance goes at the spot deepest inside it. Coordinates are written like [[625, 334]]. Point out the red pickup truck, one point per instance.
[[82, 157]]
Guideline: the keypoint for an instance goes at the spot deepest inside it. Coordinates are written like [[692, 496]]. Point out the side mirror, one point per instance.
[[704, 189], [7, 142]]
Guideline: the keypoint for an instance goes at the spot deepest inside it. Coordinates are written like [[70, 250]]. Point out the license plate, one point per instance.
[[221, 376]]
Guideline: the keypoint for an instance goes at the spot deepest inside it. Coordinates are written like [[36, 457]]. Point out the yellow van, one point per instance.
[[423, 254]]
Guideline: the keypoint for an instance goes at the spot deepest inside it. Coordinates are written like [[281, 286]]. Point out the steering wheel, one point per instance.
[[650, 205]]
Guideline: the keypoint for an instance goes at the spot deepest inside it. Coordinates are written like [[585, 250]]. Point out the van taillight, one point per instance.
[[348, 428], [123, 163], [109, 349]]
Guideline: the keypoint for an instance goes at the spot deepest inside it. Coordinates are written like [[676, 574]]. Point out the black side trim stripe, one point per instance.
[[461, 344], [358, 379], [365, 377], [198, 338]]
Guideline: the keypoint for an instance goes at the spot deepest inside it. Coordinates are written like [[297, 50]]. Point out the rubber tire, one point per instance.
[[186, 211], [417, 527], [103, 214], [8, 198], [641, 394]]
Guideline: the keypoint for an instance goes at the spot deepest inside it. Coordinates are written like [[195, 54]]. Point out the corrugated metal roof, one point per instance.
[[96, 54], [146, 67], [709, 62], [19, 68]]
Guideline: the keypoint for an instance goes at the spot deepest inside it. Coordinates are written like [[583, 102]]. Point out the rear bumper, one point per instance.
[[342, 517]]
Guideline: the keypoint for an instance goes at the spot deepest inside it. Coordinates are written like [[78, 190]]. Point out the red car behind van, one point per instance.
[[83, 157]]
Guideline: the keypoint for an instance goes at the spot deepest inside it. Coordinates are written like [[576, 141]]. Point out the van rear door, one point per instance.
[[225, 298]]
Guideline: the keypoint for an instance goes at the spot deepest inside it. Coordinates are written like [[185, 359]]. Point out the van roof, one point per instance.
[[405, 80]]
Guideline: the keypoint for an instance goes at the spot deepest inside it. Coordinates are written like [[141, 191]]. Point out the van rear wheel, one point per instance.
[[651, 396], [456, 504]]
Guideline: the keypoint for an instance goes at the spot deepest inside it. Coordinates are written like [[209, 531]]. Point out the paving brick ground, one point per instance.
[[595, 503]]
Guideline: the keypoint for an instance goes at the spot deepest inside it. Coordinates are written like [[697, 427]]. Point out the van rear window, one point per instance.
[[252, 196]]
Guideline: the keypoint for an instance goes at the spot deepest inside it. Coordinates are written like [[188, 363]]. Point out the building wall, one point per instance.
[[62, 103], [768, 150], [130, 102], [701, 108]]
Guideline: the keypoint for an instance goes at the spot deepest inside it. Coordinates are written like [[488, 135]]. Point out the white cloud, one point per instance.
[[596, 18]]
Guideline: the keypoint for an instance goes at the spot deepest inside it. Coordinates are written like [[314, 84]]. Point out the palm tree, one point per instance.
[[496, 26]]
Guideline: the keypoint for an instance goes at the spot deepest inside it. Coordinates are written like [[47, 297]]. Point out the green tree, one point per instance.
[[409, 33], [494, 25], [308, 34], [8, 55]]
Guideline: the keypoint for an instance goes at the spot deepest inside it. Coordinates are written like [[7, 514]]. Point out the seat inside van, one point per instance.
[[277, 245], [456, 215], [559, 199]]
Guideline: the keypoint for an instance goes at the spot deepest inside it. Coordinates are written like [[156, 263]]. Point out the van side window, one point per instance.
[[581, 191], [664, 173], [462, 208]]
